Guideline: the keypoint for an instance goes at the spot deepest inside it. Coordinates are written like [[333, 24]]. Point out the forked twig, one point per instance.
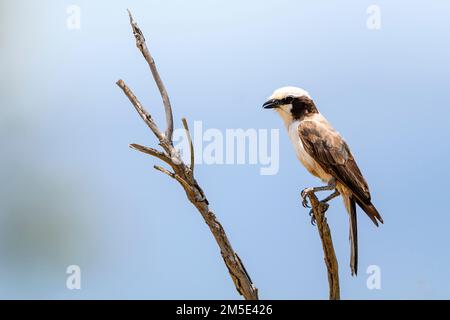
[[142, 46], [183, 173]]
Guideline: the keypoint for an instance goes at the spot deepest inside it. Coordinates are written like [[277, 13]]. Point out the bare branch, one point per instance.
[[183, 183], [142, 46], [170, 174], [140, 109], [153, 152], [327, 244], [191, 145], [185, 174]]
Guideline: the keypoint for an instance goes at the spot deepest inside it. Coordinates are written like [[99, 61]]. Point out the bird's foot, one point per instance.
[[323, 207], [304, 194], [313, 219]]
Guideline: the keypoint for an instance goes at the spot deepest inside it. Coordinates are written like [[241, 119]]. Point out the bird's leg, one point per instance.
[[331, 196], [331, 185], [323, 205]]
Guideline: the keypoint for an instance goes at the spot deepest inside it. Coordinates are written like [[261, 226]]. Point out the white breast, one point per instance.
[[308, 162], [302, 155]]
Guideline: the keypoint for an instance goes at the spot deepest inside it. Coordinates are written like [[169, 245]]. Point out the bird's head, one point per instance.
[[291, 103]]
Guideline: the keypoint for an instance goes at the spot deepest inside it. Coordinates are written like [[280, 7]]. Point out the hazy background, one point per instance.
[[72, 192]]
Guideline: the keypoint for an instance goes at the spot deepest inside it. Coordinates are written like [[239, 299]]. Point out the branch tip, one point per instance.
[[191, 145]]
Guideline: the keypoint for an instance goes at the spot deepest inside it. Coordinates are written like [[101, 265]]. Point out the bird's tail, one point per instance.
[[350, 205], [371, 211]]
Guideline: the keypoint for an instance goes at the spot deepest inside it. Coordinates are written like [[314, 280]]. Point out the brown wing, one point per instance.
[[326, 146]]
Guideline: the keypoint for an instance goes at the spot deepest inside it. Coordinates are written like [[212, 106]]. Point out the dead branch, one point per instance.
[[142, 46], [327, 244], [183, 173]]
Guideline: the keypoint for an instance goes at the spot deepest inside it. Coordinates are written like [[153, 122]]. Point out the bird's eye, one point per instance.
[[288, 99]]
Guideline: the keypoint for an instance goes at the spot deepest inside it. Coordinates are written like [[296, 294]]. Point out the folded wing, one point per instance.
[[331, 152]]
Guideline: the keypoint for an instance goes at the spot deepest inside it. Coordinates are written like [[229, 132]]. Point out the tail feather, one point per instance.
[[371, 211], [350, 201], [350, 205], [353, 237]]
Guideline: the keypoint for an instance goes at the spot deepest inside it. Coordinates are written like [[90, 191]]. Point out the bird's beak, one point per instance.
[[271, 104]]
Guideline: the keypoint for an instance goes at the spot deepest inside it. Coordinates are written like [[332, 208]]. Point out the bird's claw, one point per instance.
[[305, 203], [313, 218], [304, 195], [323, 207]]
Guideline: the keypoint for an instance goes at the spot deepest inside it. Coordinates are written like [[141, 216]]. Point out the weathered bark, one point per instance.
[[183, 173], [327, 244]]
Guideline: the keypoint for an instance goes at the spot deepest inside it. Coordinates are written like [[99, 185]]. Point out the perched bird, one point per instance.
[[325, 154]]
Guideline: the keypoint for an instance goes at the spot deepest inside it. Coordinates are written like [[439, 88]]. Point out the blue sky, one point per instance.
[[74, 193]]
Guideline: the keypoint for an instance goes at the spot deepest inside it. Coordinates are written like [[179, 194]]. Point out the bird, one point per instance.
[[325, 155]]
